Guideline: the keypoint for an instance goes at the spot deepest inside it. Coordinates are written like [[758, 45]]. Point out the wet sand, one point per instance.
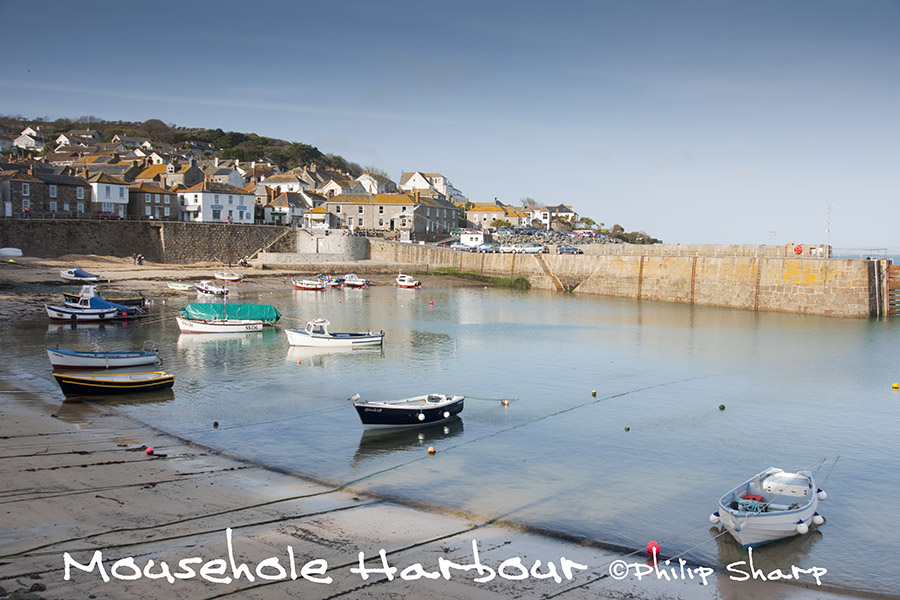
[[75, 477]]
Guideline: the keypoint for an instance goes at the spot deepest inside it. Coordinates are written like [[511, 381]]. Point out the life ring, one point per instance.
[[798, 249]]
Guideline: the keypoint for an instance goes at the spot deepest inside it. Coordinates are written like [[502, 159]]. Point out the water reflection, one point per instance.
[[378, 442], [133, 399], [322, 357]]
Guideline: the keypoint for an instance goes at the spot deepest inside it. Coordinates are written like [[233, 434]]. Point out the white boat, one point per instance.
[[228, 276], [316, 334], [76, 274], [181, 287], [218, 325], [308, 284], [10, 253], [72, 313], [408, 412], [352, 281], [61, 358], [770, 506], [210, 288], [89, 298], [406, 281]]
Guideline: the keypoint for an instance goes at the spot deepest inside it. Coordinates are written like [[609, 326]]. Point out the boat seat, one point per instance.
[[780, 507]]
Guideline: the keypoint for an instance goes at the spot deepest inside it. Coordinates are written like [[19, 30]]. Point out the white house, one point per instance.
[[109, 194], [285, 182], [416, 180], [376, 184], [286, 208], [210, 202]]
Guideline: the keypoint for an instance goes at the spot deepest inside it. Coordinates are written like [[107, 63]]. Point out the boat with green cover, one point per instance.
[[266, 313]]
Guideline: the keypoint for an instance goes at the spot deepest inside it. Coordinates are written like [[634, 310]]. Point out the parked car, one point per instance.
[[533, 248], [562, 249], [507, 248], [459, 246], [108, 216], [488, 247], [504, 231]]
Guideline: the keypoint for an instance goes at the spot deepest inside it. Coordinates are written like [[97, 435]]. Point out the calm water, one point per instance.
[[798, 391]]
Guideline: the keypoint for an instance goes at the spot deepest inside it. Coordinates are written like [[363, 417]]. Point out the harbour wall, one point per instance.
[[165, 242], [815, 286]]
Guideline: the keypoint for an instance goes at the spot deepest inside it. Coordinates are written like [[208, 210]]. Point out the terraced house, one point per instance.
[[42, 193], [210, 202], [414, 213]]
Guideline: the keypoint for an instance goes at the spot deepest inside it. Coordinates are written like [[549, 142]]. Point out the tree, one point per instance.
[[586, 223], [498, 223], [528, 202]]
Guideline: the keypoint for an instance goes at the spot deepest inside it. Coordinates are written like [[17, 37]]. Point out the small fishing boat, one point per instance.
[[770, 506], [352, 281], [406, 281], [218, 325], [181, 287], [71, 313], [316, 334], [106, 384], [308, 284], [89, 300], [210, 311], [61, 358], [228, 276], [409, 412], [76, 274], [90, 291], [210, 288]]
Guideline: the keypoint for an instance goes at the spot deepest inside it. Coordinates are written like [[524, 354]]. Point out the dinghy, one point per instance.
[[107, 384], [316, 334], [770, 506], [408, 412]]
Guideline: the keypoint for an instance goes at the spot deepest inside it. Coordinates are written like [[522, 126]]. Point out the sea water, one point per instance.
[[614, 432]]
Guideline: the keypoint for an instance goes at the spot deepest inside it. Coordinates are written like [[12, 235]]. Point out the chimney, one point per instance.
[[217, 162], [31, 169]]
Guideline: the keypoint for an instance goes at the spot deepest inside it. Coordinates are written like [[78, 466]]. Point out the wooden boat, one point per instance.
[[770, 506], [89, 291], [331, 281], [228, 276], [308, 284], [181, 287], [405, 281], [106, 384], [61, 358], [76, 274], [72, 313], [316, 334], [409, 412], [352, 281], [210, 288], [218, 325]]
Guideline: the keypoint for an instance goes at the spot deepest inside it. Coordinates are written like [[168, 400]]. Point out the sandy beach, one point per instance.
[[87, 512]]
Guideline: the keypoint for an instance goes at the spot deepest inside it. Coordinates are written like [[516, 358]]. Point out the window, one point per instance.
[[53, 191], [216, 198], [26, 204], [337, 209], [53, 206], [156, 198], [147, 198], [108, 191], [166, 199], [380, 210], [230, 199], [79, 193], [381, 222], [66, 206], [147, 210], [360, 210], [121, 193], [80, 206], [427, 211], [216, 214], [166, 210], [106, 207], [26, 189]]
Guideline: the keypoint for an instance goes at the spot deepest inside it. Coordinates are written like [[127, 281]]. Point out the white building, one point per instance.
[[109, 194], [210, 202]]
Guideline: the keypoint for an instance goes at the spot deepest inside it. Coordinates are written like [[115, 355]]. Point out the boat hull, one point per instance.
[[139, 301], [65, 313], [231, 326], [299, 337], [386, 414], [113, 384], [181, 287], [232, 277], [74, 359], [309, 285]]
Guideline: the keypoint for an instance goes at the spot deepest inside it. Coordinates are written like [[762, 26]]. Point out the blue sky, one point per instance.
[[695, 121]]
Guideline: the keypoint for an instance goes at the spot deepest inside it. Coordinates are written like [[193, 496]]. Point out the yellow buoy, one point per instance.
[[627, 428], [896, 386]]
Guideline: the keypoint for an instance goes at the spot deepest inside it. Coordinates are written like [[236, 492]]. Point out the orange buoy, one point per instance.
[[431, 450], [798, 249]]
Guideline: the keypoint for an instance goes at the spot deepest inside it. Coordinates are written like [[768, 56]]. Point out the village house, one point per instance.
[[285, 182], [149, 201], [109, 195], [546, 215], [286, 209], [210, 202], [377, 184], [30, 140], [35, 192], [414, 214], [416, 180], [481, 216]]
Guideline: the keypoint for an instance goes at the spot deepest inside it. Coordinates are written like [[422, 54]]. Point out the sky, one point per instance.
[[695, 121]]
